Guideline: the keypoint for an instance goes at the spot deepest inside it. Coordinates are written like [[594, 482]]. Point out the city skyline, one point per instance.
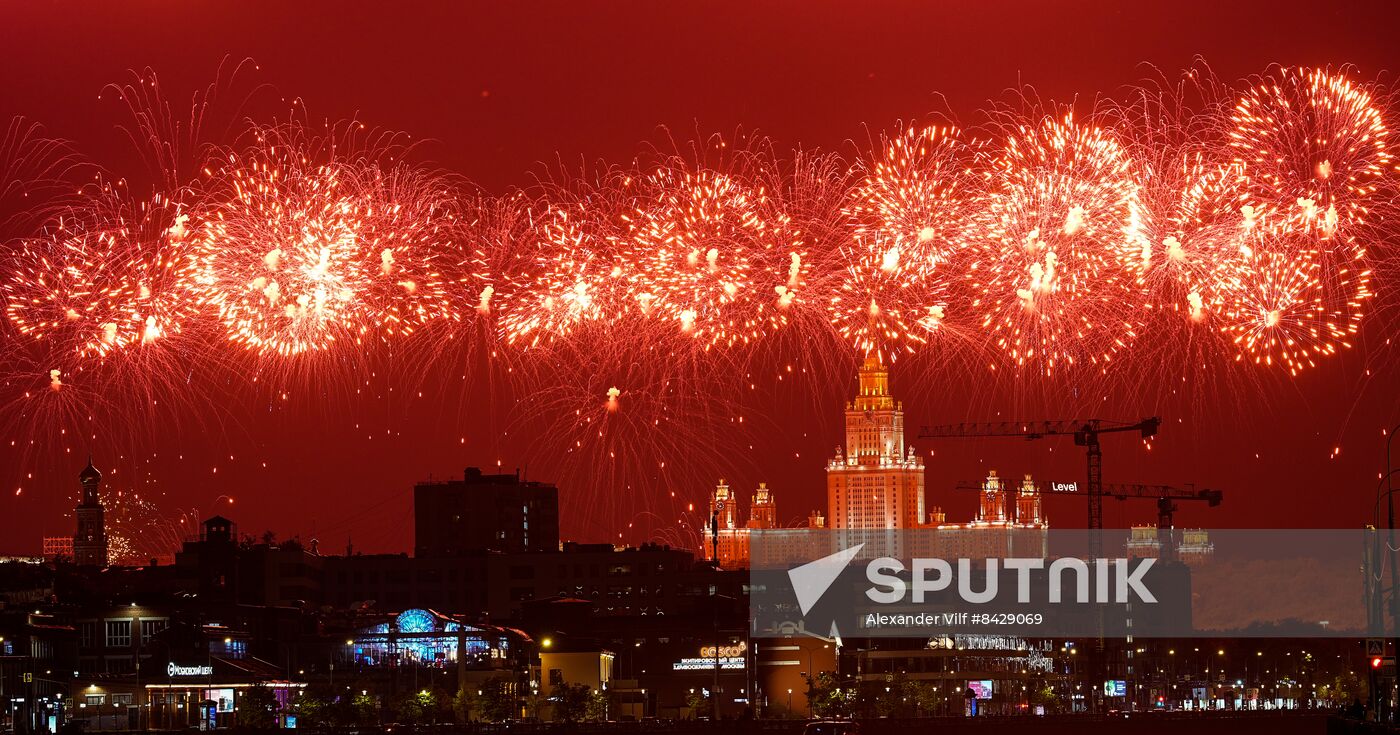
[[694, 367]]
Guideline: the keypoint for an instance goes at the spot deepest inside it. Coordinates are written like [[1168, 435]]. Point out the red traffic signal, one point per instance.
[[1376, 662]]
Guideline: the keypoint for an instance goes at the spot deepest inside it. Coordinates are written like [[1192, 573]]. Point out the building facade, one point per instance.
[[875, 482], [482, 512], [727, 542]]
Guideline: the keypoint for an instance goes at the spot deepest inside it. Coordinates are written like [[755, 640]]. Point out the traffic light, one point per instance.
[[1376, 662]]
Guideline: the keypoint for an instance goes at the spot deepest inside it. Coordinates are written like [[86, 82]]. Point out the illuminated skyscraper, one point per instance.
[[875, 483], [90, 542]]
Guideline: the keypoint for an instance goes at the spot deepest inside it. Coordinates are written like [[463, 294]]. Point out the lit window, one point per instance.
[[118, 633]]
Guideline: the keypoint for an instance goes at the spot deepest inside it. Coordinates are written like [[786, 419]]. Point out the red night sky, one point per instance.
[[494, 89]]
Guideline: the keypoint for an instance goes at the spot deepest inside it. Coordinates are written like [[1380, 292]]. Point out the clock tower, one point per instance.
[[90, 541]]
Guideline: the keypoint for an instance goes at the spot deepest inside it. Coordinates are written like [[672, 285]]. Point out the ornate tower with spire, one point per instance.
[[723, 508], [90, 542], [991, 508], [726, 542], [875, 482], [1028, 504], [763, 513]]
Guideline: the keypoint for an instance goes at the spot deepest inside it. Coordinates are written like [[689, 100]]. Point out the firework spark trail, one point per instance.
[[635, 435], [36, 177], [1193, 215], [138, 530], [299, 254], [812, 190], [913, 218], [1239, 227], [1056, 271]]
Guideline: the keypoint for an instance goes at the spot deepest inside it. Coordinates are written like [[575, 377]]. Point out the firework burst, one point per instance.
[[1055, 274], [571, 270], [630, 309], [913, 217], [1314, 144], [1276, 307], [703, 243], [301, 255]]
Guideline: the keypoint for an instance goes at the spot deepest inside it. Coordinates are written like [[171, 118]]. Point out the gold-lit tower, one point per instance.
[[875, 482]]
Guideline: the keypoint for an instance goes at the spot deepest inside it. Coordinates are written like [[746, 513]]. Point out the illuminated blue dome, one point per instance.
[[417, 621]]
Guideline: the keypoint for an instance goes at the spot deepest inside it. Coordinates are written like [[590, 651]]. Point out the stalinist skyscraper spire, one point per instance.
[[875, 482]]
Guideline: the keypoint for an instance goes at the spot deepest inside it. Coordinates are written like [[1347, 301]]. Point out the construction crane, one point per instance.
[[1085, 432], [1165, 495]]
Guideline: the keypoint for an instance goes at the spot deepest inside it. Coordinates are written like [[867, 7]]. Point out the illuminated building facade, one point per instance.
[[90, 541], [763, 513], [727, 542], [1009, 521], [1195, 547], [874, 482], [426, 638], [875, 485], [1000, 504]]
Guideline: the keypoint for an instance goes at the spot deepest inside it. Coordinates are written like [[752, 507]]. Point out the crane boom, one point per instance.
[[1079, 428]]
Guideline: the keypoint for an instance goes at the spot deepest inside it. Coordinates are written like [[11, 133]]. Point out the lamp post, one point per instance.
[[1390, 545]]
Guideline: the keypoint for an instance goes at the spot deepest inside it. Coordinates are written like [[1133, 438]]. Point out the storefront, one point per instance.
[[693, 677], [179, 695], [209, 695]]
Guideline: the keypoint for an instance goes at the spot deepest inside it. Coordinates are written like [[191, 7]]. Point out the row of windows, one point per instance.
[[117, 633], [118, 699]]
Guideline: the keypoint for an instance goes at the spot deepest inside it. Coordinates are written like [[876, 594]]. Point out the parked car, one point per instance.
[[831, 727]]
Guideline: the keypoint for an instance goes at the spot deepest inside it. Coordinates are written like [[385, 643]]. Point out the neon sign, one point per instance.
[[174, 669]]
